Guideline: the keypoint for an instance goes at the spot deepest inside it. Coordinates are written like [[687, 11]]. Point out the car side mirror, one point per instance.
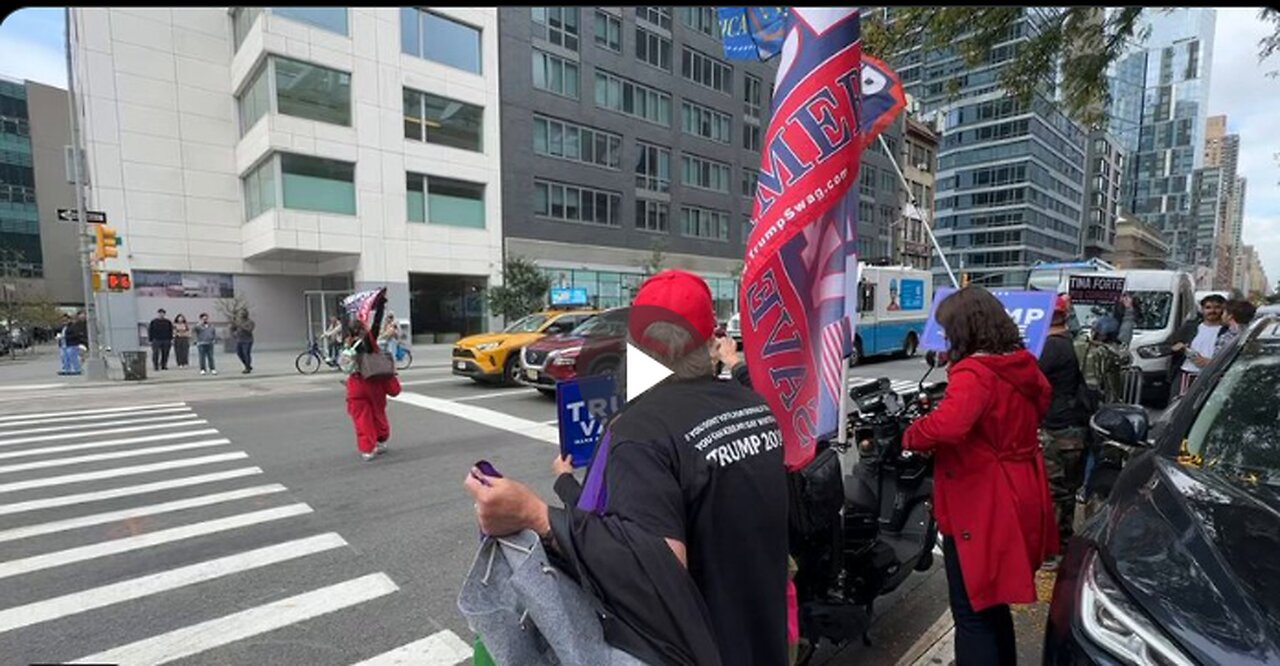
[[1125, 424]]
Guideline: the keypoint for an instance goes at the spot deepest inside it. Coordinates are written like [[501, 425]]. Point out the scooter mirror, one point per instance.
[[931, 358]]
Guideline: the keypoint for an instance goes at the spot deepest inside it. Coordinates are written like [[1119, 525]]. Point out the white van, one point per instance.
[[1164, 301]]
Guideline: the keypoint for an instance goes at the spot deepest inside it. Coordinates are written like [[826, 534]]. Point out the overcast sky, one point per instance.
[[32, 47]]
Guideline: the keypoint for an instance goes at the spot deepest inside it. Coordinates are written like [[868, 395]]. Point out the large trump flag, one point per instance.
[[799, 282]]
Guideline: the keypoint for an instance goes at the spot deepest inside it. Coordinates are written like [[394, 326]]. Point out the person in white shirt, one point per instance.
[[1197, 341]]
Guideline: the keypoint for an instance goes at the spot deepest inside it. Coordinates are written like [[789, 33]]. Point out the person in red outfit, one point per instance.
[[367, 398], [991, 491]]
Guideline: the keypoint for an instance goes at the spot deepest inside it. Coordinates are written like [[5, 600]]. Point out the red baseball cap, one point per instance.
[[676, 297], [1063, 304]]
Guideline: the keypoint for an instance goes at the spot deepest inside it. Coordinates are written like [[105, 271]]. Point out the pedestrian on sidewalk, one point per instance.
[[160, 335], [333, 339], [242, 331], [1195, 342], [991, 493], [389, 338], [181, 340], [68, 347], [367, 396], [206, 336], [1063, 430]]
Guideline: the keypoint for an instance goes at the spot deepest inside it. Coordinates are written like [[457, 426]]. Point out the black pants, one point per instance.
[[181, 349], [982, 639], [244, 351], [160, 354]]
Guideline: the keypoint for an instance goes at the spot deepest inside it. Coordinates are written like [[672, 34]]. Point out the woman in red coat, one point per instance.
[[367, 398], [991, 492]]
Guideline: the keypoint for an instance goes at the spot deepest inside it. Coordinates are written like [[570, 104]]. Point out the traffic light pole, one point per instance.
[[95, 367]]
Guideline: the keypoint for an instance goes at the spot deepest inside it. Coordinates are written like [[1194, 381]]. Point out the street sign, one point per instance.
[[91, 217]]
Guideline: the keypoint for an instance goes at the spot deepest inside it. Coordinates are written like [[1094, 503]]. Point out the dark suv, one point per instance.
[[595, 347]]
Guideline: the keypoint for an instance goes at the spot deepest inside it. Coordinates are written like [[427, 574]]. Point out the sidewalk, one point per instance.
[[39, 369]]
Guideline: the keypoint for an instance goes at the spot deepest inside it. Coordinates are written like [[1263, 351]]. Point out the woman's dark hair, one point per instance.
[[182, 317], [1241, 311], [976, 322], [354, 329]]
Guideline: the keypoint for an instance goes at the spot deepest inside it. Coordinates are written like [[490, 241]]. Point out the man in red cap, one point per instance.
[[1063, 430], [687, 486]]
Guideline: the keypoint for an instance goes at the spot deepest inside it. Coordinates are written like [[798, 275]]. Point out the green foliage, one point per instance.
[[524, 289], [657, 255], [230, 307]]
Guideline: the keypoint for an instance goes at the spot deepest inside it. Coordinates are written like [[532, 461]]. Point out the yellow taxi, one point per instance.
[[495, 357]]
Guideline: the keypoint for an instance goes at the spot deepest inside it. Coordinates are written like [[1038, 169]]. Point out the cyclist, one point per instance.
[[333, 336]]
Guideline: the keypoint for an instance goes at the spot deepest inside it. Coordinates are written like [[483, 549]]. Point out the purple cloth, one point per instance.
[[594, 494]]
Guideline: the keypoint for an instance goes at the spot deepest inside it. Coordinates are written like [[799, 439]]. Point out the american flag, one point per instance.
[[799, 285]]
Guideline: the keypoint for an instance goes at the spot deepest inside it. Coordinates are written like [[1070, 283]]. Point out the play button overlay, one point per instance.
[[643, 372]]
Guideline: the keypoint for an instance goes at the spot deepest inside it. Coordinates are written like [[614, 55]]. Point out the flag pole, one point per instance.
[[911, 198]]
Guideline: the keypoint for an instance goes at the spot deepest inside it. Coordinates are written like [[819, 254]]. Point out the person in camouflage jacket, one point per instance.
[[1104, 355]]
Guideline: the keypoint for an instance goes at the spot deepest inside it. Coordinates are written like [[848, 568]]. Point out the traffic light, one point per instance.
[[118, 282], [107, 241], [97, 281]]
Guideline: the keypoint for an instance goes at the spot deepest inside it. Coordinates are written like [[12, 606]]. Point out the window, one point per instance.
[[747, 226], [749, 179], [578, 143], [751, 96], [302, 90], [701, 19], [704, 70], [633, 99], [888, 181], [653, 168], [653, 49], [313, 92], [436, 200], [438, 39], [652, 215], [255, 101], [260, 189], [442, 121], [704, 223], [751, 137], [573, 203], [659, 16], [703, 173], [608, 31], [705, 122], [555, 74], [333, 19], [314, 183], [867, 181], [558, 25], [242, 22]]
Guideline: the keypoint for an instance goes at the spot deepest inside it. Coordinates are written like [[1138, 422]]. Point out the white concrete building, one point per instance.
[[291, 155]]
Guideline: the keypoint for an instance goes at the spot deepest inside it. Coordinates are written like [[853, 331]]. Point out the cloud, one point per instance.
[[1240, 89], [32, 46]]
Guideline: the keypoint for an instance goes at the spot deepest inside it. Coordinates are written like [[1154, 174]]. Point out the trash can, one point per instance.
[[134, 365]]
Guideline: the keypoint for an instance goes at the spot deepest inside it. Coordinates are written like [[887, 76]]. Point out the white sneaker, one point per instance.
[[202, 372], [214, 371], [368, 456]]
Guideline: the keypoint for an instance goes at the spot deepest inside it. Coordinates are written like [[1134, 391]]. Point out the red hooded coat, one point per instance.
[[991, 491]]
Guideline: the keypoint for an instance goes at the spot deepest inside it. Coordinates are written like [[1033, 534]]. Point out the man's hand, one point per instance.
[[505, 507], [562, 465], [727, 351], [1178, 346], [1201, 361]]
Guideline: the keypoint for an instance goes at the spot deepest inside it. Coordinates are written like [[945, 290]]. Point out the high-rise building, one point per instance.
[[1253, 282], [286, 156], [1010, 179], [1222, 151], [39, 255], [1104, 179], [919, 160], [1171, 106]]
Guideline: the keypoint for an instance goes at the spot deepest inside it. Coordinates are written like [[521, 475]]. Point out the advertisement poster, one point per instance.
[[1095, 289], [173, 284], [911, 294], [1030, 310]]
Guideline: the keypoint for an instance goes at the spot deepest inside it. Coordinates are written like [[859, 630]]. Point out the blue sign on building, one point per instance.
[[569, 296], [583, 406], [1032, 311]]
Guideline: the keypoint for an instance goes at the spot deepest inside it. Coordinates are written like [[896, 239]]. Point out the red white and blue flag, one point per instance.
[[799, 283]]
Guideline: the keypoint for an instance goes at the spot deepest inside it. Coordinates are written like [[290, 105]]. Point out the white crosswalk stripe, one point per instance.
[[61, 524]]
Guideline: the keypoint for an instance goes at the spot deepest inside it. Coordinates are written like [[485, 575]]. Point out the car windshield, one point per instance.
[[1239, 425], [529, 324], [1151, 310], [609, 324]]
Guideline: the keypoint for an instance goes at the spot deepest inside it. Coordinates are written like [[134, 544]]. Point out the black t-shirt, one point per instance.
[[1060, 366], [701, 462]]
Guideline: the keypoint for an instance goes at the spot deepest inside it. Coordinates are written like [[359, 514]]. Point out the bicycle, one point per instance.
[[404, 358], [309, 361]]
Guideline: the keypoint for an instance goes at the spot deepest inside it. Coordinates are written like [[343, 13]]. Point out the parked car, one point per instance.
[[495, 357], [1180, 565], [596, 347]]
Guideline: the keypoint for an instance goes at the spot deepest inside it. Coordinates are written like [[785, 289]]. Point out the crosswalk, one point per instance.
[[900, 386], [140, 535]]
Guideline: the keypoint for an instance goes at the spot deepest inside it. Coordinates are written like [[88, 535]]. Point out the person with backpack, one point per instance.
[[1063, 428], [1104, 353]]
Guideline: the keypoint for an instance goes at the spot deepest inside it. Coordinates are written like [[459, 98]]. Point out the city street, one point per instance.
[[232, 520]]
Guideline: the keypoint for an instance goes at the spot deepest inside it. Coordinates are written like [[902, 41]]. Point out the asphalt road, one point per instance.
[[291, 550]]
